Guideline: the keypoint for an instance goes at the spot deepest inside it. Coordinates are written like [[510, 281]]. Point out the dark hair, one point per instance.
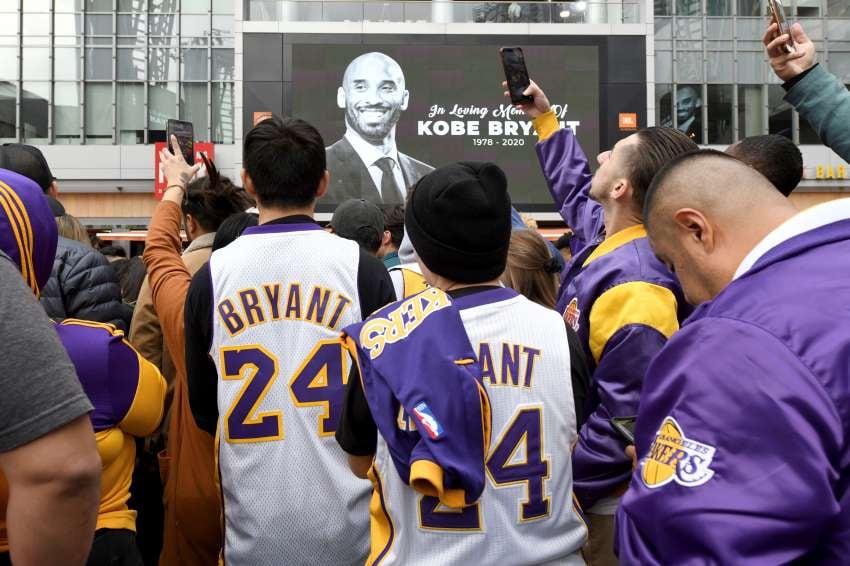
[[233, 227], [213, 198], [367, 238], [285, 159], [564, 241], [776, 157], [669, 168], [394, 222], [131, 275], [114, 251], [656, 147]]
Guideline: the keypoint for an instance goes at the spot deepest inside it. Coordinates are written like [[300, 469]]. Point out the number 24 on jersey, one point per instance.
[[319, 381]]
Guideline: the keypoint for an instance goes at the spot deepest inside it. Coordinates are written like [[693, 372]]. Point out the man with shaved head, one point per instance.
[[366, 163], [743, 434]]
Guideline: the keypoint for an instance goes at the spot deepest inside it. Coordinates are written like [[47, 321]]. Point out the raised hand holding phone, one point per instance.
[[174, 167], [789, 65], [539, 103]]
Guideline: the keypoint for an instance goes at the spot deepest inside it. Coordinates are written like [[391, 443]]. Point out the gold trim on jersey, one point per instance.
[[382, 531], [426, 477]]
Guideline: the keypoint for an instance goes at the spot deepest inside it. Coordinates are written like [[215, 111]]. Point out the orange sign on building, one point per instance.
[[628, 121]]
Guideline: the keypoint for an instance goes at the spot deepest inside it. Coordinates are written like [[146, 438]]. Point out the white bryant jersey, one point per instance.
[[526, 513], [289, 495]]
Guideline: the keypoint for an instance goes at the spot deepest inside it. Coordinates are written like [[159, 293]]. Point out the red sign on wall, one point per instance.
[[159, 183]]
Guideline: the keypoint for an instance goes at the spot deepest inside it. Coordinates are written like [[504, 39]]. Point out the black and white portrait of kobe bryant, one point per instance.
[[366, 162]]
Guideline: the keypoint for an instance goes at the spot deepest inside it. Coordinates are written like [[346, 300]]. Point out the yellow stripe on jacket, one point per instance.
[[635, 302]]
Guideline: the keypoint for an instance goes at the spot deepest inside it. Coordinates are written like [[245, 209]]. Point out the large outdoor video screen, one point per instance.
[[390, 113]]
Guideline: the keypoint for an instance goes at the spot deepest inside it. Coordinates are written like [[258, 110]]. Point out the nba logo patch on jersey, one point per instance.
[[427, 420], [674, 457], [572, 314]]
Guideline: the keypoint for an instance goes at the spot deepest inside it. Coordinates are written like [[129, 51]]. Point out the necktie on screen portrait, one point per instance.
[[390, 191]]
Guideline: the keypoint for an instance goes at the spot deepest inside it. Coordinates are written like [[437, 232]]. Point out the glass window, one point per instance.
[[66, 63], [162, 64], [98, 63], [839, 65], [194, 65], [131, 64], [838, 8], [66, 113], [222, 113], [99, 41], [688, 7], [689, 28], [131, 113], [718, 7], [838, 29], [222, 6], [194, 26], [34, 112], [193, 108], [131, 5], [67, 24], [778, 111], [663, 67], [719, 114], [808, 135], [8, 64], [222, 25], [98, 107], [8, 25], [719, 28], [162, 105], [194, 6], [750, 8], [751, 67], [8, 122], [36, 64], [163, 6], [689, 111], [98, 5], [68, 5], [663, 28], [36, 24], [720, 67], [750, 111], [68, 40], [688, 66], [222, 64], [664, 105], [133, 25], [750, 29], [98, 25], [162, 25], [37, 6]]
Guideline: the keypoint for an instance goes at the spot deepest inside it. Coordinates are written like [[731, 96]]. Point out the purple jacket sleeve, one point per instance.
[[568, 177], [738, 445], [600, 465]]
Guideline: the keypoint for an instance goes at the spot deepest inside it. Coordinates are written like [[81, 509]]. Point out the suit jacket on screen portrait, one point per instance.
[[350, 178]]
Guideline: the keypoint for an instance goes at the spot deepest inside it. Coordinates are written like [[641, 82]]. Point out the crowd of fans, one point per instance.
[[228, 399]]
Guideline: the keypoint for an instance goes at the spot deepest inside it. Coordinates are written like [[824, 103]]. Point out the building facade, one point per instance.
[[92, 82]]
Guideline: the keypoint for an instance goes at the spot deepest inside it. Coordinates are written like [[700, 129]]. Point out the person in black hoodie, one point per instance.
[[82, 283]]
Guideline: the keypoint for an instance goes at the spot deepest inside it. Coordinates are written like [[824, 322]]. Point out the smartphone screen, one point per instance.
[[516, 74], [184, 131], [625, 427], [778, 15]]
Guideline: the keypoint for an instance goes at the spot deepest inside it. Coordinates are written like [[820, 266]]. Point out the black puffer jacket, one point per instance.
[[83, 285]]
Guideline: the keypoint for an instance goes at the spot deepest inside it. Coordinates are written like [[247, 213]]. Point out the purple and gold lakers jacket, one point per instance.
[[744, 430], [442, 453], [623, 303]]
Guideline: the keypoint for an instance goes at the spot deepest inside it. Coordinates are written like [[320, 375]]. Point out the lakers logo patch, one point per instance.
[[674, 457], [572, 314]]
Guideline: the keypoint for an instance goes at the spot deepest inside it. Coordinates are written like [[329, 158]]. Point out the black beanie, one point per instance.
[[459, 221]]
